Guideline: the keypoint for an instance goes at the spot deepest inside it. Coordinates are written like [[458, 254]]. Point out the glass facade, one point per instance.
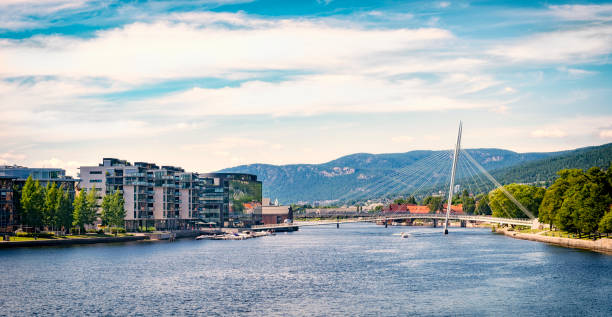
[[237, 197]]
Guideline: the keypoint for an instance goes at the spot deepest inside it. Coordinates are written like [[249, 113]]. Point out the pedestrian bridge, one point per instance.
[[394, 217]]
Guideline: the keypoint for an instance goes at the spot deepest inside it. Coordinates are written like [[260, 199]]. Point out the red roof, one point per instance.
[[416, 209], [455, 209]]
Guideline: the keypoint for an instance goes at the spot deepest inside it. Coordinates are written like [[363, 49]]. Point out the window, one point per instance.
[[95, 181], [95, 172]]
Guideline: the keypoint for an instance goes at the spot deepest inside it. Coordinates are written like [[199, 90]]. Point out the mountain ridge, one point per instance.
[[327, 181]]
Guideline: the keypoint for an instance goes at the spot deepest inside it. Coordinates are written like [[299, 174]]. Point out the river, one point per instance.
[[357, 270]]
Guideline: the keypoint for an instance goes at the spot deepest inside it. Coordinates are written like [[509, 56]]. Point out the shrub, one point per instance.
[[117, 230], [33, 234]]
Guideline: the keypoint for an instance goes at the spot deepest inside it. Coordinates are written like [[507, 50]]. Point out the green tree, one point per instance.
[[469, 204], [65, 215], [85, 209], [482, 205], [32, 203], [113, 212], [52, 197], [435, 204], [411, 200], [553, 198], [399, 201], [605, 224], [585, 202], [529, 196]]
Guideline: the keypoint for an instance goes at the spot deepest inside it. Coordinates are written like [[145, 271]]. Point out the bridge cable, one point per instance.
[[504, 190], [394, 176]]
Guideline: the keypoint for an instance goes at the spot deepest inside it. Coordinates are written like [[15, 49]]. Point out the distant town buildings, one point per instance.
[[418, 209]]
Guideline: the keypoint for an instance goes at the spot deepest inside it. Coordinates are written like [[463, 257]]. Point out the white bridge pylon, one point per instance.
[[482, 170], [452, 180]]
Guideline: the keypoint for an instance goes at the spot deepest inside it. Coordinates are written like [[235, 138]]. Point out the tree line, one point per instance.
[[577, 201], [53, 209]]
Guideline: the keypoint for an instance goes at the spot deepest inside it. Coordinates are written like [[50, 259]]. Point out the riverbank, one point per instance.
[[600, 245], [64, 242]]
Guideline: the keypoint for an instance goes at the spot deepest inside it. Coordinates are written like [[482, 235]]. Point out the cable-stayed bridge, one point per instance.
[[444, 169]]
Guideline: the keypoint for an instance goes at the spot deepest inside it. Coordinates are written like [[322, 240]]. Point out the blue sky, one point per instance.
[[213, 84]]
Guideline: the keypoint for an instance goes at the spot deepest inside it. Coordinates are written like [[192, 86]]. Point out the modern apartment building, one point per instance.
[[13, 178], [237, 198], [167, 197], [43, 175], [8, 205]]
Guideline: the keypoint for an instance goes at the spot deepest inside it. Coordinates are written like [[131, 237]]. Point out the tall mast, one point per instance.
[[452, 181]]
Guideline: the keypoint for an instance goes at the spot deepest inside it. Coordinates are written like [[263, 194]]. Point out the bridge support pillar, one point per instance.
[[463, 223], [435, 223]]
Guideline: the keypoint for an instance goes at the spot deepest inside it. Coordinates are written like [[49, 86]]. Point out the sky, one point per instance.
[[210, 84]]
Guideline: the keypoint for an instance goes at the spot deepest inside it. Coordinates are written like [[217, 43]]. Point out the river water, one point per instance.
[[357, 270]]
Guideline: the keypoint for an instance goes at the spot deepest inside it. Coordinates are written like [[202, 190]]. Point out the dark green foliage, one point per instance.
[[64, 211], [469, 204], [50, 212], [544, 170], [435, 203], [482, 205], [605, 224], [553, 198], [578, 200]]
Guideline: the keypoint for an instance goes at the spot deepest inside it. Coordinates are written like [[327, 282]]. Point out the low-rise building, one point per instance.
[[276, 214]]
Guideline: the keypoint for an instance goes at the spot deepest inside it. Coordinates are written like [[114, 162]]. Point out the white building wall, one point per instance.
[[128, 197], [158, 204], [185, 204]]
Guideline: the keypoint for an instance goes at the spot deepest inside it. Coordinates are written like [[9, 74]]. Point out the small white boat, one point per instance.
[[405, 235]]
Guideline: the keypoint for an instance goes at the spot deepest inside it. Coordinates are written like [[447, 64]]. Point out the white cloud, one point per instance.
[[605, 134], [575, 72], [316, 94], [176, 48], [582, 12], [509, 90], [443, 4], [10, 157], [548, 133], [402, 139], [71, 167], [568, 46]]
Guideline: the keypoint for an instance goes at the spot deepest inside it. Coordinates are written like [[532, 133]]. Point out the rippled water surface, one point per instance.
[[359, 269]]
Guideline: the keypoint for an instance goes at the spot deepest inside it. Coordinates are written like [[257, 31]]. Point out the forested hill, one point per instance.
[[545, 169], [311, 182]]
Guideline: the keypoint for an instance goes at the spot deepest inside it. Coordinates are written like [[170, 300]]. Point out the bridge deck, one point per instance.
[[508, 221]]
